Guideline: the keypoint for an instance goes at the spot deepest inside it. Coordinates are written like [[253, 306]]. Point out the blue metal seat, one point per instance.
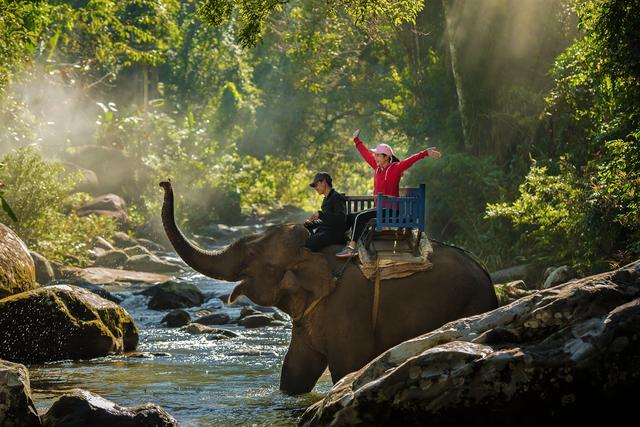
[[407, 211]]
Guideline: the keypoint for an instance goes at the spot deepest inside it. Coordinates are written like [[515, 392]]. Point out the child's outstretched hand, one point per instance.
[[356, 133], [432, 152]]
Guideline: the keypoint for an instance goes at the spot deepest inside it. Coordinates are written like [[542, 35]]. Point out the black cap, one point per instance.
[[321, 176]]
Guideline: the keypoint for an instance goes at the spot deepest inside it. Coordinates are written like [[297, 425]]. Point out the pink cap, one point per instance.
[[383, 149]]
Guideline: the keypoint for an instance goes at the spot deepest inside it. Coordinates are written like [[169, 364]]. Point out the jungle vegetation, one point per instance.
[[535, 105]]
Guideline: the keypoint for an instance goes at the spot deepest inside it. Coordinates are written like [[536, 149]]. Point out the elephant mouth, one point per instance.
[[238, 290]]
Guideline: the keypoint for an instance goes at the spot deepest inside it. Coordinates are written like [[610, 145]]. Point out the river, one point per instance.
[[200, 382]]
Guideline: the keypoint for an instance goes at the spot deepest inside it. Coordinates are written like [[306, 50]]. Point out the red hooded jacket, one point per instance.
[[387, 180]]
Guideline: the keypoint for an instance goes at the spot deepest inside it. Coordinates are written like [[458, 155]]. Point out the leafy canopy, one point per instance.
[[252, 16]]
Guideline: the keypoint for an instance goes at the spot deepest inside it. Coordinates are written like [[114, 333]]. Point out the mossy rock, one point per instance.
[[17, 271], [63, 322]]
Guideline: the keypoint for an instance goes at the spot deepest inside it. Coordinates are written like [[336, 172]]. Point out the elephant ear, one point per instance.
[[308, 279]]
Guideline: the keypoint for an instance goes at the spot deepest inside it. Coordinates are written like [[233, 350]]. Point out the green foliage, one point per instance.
[[253, 15], [39, 192], [20, 26]]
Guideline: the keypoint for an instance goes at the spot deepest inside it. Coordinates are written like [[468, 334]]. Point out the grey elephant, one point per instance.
[[332, 318]]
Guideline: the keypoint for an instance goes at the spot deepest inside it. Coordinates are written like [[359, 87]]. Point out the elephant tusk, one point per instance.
[[237, 291]]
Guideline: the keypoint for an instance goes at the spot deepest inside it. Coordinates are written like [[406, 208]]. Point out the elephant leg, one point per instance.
[[301, 368]]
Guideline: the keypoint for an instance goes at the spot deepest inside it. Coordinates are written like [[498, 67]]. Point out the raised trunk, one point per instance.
[[224, 264]]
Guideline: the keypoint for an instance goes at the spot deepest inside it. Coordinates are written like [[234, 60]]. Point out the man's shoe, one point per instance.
[[347, 252]]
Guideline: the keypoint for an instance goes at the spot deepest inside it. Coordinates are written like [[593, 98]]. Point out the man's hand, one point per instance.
[[314, 217], [356, 133], [432, 152]]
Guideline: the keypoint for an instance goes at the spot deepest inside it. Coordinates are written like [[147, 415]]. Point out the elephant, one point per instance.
[[332, 324]]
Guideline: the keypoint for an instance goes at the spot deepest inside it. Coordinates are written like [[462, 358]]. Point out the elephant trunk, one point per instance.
[[224, 264]]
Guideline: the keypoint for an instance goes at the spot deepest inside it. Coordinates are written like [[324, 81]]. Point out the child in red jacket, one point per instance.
[[386, 180]]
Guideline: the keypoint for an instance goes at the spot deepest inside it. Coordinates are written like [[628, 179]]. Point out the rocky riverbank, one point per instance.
[[565, 354]]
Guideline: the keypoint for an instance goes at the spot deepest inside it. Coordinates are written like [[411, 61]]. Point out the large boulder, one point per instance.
[[82, 408], [174, 294], [110, 205], [63, 322], [17, 271], [567, 355], [16, 406]]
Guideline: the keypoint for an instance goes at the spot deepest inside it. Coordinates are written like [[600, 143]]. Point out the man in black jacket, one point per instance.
[[327, 226]]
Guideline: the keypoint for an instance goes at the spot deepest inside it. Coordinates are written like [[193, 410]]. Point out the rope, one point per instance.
[[376, 298]]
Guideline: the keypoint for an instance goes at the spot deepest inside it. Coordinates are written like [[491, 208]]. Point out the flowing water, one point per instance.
[[199, 381]]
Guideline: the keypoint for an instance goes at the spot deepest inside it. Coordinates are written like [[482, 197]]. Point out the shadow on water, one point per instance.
[[200, 382]]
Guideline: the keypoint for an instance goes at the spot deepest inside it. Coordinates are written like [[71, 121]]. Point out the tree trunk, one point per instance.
[[457, 78]]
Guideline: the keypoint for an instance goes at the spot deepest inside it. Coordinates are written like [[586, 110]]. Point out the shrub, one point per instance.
[[40, 194]]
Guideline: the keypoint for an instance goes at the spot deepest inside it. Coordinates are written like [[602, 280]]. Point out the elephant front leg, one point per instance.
[[301, 368]]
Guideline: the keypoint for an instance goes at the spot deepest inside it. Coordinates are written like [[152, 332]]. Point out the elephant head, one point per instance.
[[273, 268]]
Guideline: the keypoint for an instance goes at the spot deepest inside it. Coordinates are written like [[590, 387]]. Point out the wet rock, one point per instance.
[[248, 311], [115, 258], [147, 355], [569, 352], [17, 271], [174, 294], [198, 329], [110, 205], [176, 318], [44, 271], [559, 275], [98, 290], [150, 263], [202, 312], [214, 319], [136, 250], [82, 408], [123, 240], [255, 321], [16, 405], [278, 323], [63, 322], [151, 245], [251, 352]]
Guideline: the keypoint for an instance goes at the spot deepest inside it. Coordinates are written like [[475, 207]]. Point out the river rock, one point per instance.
[[529, 273], [63, 322], [110, 205], [101, 243], [174, 294], [123, 240], [136, 250], [151, 245], [248, 311], [17, 271], [198, 329], [115, 258], [565, 355], [559, 275], [214, 319], [44, 271], [81, 408], [150, 263], [103, 276], [16, 406], [255, 321], [176, 318]]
